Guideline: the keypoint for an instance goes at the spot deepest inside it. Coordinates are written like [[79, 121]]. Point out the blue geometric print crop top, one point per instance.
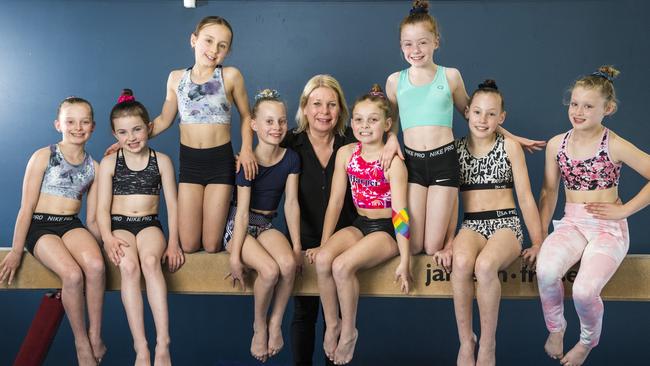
[[67, 180], [203, 103]]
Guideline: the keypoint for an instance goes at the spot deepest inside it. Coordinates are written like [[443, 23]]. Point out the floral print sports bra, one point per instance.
[[370, 188], [595, 173], [203, 103]]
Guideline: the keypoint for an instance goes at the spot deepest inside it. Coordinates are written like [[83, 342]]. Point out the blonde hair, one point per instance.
[[603, 81], [325, 81], [420, 14]]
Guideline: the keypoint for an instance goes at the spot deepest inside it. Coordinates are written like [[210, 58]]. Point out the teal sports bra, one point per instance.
[[426, 105]]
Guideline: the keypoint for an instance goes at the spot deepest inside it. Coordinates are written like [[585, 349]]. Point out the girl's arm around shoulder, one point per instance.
[[234, 82], [623, 151], [457, 88], [392, 146], [170, 105], [174, 254], [30, 193], [391, 93], [397, 176]]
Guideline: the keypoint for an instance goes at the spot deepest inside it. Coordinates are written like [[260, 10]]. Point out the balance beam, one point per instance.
[[203, 273]]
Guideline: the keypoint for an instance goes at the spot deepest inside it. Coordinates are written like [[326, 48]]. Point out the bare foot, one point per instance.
[[85, 355], [259, 343], [162, 356], [330, 339], [275, 339], [466, 353], [99, 349], [345, 349], [576, 356], [554, 346], [486, 354]]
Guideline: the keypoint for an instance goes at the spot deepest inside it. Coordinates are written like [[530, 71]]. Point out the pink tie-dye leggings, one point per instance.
[[600, 246]]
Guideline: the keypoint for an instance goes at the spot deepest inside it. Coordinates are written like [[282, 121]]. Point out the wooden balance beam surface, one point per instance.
[[204, 273]]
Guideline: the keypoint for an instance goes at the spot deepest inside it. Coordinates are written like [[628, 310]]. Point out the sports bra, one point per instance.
[[492, 171], [67, 180], [595, 173], [425, 105], [370, 188], [203, 103], [146, 181]]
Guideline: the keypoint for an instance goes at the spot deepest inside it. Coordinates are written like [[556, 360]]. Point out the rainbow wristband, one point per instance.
[[401, 223]]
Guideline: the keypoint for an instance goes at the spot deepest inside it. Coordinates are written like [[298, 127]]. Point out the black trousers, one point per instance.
[[303, 330]]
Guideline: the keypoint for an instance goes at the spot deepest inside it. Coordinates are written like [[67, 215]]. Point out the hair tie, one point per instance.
[[125, 98], [603, 75], [378, 94], [419, 10], [267, 94]]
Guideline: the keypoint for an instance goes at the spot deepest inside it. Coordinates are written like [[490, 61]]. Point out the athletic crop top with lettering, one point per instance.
[[67, 180], [370, 188], [146, 181], [595, 173], [203, 103], [492, 171], [425, 105], [269, 183]]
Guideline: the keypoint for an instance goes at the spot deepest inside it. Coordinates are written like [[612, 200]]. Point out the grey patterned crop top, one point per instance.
[[492, 171], [203, 103], [67, 180]]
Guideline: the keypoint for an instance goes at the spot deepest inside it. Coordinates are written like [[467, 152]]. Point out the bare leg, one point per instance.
[[151, 246], [279, 248], [132, 297], [501, 250], [417, 198], [190, 216], [467, 245], [256, 257], [51, 251], [216, 202], [440, 201], [337, 244], [371, 250], [85, 250]]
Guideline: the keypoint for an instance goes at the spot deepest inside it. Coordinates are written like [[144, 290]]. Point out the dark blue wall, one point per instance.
[[534, 49]]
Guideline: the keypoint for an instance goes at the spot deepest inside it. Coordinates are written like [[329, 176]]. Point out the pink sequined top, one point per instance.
[[595, 173], [370, 188]]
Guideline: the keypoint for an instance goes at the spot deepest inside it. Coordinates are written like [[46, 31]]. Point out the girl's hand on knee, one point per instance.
[[530, 145], [113, 247], [298, 256], [9, 266], [237, 272], [174, 257], [444, 257], [529, 256], [311, 254], [403, 276]]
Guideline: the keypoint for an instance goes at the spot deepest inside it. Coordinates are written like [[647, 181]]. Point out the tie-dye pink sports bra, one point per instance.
[[595, 173], [370, 188]]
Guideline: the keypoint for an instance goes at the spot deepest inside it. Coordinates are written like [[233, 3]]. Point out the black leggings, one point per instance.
[[303, 330]]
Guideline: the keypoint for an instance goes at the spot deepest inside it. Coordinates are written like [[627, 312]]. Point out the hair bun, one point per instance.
[[375, 91], [267, 94], [607, 71], [126, 96], [488, 84], [419, 7]]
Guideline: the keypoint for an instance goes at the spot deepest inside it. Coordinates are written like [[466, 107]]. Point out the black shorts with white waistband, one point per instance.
[[438, 167], [134, 224], [44, 224]]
